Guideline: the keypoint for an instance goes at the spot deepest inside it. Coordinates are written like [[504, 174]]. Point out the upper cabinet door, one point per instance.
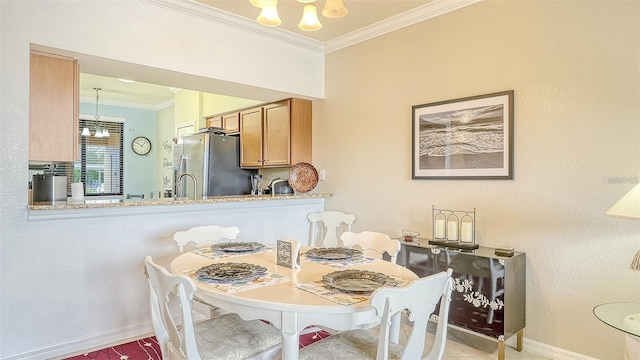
[[277, 134], [251, 138], [53, 108], [214, 122], [231, 123]]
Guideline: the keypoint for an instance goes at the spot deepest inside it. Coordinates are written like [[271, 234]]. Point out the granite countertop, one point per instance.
[[89, 203]]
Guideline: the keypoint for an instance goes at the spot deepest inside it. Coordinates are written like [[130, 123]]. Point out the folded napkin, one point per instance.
[[331, 294], [266, 280]]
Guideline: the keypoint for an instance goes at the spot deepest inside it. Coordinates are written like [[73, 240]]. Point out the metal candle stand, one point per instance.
[[454, 228]]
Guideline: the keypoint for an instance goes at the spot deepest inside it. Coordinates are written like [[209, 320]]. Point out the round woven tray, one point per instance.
[[303, 177]]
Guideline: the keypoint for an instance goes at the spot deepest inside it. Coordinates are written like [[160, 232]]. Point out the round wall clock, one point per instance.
[[141, 145]]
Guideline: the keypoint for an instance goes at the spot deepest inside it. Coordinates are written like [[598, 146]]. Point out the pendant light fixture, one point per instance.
[[309, 21], [100, 132], [334, 9], [269, 14]]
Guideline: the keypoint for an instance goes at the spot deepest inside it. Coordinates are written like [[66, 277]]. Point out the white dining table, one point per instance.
[[286, 306]]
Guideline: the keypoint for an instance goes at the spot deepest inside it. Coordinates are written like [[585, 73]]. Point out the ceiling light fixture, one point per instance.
[[334, 9], [309, 21], [269, 14], [100, 132], [260, 3]]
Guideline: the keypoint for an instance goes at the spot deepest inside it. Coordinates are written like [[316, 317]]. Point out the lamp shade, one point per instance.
[[334, 9], [269, 15], [628, 206], [85, 132], [309, 21], [263, 3]]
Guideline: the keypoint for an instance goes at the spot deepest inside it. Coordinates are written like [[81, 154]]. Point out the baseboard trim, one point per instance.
[[87, 343], [551, 352]]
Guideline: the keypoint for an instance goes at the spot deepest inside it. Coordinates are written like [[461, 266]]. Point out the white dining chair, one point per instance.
[[372, 244], [225, 337], [420, 299], [327, 226], [202, 236]]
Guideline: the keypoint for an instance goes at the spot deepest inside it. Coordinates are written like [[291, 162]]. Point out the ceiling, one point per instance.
[[363, 14]]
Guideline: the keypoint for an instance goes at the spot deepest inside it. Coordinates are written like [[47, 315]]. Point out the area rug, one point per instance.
[[148, 349]]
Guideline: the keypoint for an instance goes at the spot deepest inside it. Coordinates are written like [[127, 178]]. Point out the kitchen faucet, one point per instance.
[[195, 184]]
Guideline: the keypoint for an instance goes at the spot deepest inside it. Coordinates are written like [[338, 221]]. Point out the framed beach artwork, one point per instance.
[[467, 138]]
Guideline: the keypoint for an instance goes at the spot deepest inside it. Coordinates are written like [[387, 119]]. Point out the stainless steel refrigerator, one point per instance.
[[212, 163]]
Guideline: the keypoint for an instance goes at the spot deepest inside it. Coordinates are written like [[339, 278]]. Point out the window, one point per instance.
[[100, 164]]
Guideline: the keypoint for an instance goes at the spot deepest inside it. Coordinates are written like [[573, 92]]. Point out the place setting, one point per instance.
[[231, 277], [349, 286], [339, 257], [233, 248]]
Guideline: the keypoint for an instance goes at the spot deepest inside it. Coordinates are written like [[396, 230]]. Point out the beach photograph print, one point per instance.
[[468, 138]]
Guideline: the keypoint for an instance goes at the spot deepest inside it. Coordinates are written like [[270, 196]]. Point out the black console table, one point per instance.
[[489, 293]]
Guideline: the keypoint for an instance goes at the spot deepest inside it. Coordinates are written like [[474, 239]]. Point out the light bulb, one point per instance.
[[309, 21], [334, 9]]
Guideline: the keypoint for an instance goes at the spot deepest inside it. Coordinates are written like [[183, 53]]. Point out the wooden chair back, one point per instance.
[[420, 299], [328, 225], [372, 244], [202, 236], [163, 287]]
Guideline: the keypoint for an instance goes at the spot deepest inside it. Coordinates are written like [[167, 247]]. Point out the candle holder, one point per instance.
[[454, 228]]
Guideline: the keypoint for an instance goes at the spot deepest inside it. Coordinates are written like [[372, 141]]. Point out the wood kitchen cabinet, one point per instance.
[[276, 134], [54, 83], [214, 122], [229, 123]]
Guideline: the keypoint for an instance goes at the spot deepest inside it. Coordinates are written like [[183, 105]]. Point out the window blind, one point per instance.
[[100, 162]]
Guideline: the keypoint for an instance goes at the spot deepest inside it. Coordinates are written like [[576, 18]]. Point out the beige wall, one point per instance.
[[574, 67]]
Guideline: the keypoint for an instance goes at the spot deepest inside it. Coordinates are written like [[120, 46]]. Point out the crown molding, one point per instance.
[[196, 9], [413, 16], [421, 13], [130, 104]]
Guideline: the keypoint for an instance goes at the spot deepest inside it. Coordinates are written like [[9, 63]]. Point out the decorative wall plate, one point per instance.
[[358, 280], [230, 272], [303, 177], [237, 246], [335, 253]]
